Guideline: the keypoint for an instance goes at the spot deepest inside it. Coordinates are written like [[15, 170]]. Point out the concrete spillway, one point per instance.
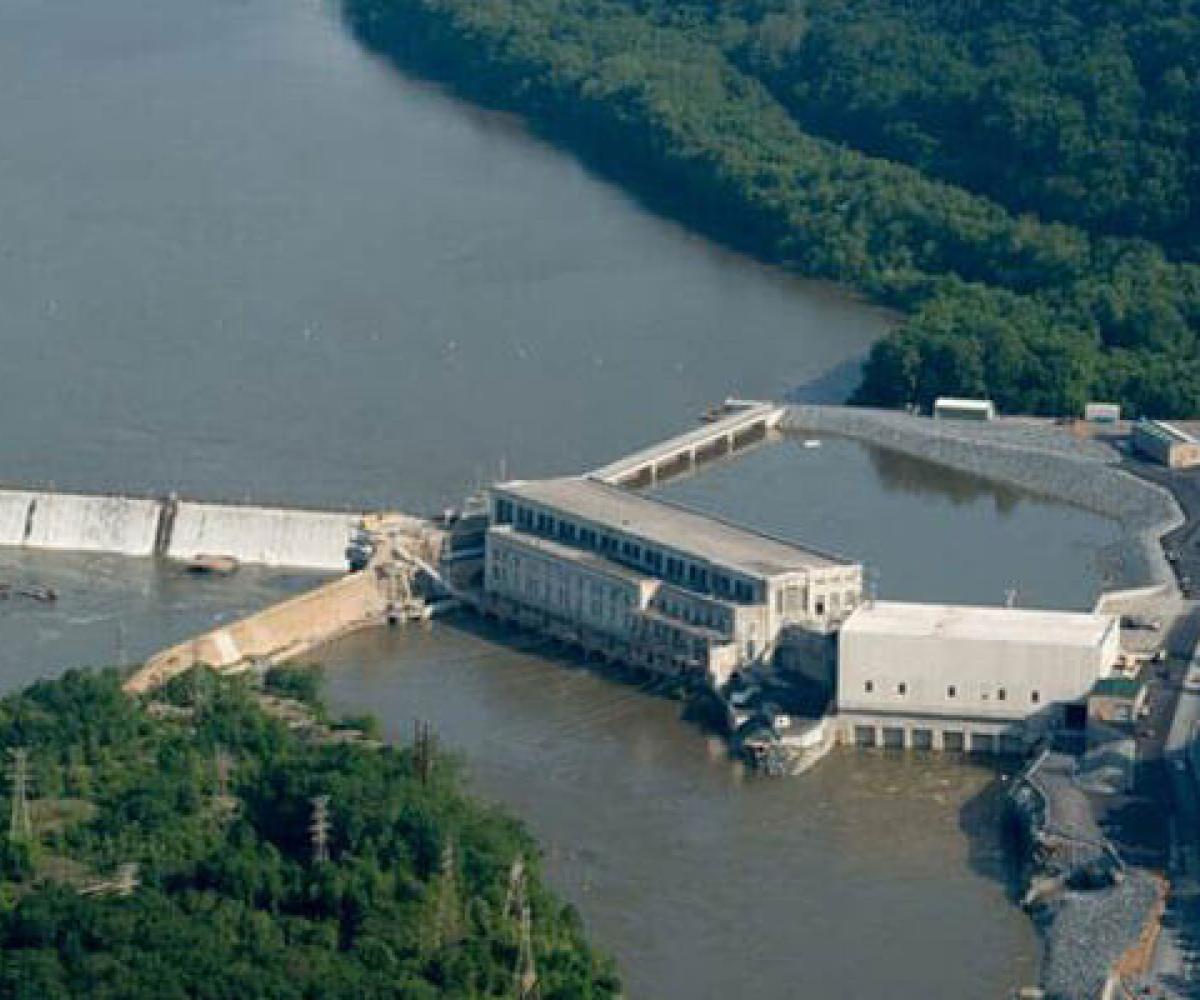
[[272, 537], [14, 515], [139, 526], [77, 522]]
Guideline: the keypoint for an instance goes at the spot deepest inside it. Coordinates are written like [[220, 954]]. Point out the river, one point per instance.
[[243, 259]]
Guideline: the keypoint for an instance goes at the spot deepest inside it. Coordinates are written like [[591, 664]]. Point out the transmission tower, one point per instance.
[[224, 765], [514, 898], [525, 980], [448, 927], [319, 828], [424, 743], [20, 823], [127, 879]]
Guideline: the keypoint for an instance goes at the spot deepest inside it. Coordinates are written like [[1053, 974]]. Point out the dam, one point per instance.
[[76, 522], [177, 529]]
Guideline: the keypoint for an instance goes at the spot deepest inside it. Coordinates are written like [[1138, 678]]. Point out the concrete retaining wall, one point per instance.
[[274, 635], [78, 522], [272, 537]]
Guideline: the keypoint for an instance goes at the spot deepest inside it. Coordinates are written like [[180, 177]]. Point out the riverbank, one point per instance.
[[1098, 917], [1035, 455], [213, 839], [675, 108]]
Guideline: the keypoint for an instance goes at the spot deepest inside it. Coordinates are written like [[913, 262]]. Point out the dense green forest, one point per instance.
[[1020, 180], [212, 799]]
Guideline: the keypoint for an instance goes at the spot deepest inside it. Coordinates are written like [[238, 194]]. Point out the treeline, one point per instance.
[[713, 113], [213, 800], [1081, 111]]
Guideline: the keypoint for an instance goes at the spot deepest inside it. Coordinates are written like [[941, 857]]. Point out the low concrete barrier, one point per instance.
[[279, 633]]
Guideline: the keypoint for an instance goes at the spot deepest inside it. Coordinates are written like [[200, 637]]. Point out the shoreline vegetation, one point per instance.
[[169, 849], [1035, 218]]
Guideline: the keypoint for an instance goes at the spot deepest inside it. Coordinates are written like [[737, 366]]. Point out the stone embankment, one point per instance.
[[1098, 916], [1033, 455]]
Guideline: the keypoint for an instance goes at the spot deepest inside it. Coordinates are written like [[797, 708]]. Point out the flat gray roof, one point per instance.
[[702, 536], [979, 624]]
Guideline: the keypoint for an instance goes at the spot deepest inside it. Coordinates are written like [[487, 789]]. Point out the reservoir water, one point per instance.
[[242, 259]]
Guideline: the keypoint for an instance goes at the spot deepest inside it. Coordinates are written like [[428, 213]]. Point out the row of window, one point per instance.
[[952, 692], [675, 569]]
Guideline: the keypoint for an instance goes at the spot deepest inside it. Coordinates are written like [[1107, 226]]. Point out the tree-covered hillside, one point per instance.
[[1019, 179], [212, 800], [1084, 111]]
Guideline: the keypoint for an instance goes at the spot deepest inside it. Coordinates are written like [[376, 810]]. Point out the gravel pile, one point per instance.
[[1033, 455], [1085, 933]]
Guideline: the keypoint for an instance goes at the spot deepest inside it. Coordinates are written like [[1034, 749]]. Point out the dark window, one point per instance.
[[902, 688], [1001, 694], [869, 686], [1034, 697], [951, 691]]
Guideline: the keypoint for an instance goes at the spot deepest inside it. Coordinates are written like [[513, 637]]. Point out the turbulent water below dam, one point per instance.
[[246, 262]]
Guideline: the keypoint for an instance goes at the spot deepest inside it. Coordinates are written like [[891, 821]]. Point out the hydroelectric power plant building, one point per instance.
[[933, 676], [653, 584]]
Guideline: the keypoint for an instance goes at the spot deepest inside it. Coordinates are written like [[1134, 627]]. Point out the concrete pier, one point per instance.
[[739, 424]]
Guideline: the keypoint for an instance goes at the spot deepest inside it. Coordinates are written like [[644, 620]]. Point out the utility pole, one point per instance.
[[319, 829], [20, 823]]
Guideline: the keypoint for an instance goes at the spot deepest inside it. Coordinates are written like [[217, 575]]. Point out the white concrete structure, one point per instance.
[[739, 423], [264, 535], [956, 677], [1166, 443], [76, 521], [653, 583], [950, 408], [1102, 413]]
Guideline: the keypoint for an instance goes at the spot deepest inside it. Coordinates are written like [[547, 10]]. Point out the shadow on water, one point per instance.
[[833, 386], [902, 473], [993, 844]]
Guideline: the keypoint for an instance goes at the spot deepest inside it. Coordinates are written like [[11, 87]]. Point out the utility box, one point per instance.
[[949, 408]]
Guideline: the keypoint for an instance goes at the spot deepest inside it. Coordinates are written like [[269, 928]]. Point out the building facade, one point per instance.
[[651, 583], [967, 678], [1166, 443]]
